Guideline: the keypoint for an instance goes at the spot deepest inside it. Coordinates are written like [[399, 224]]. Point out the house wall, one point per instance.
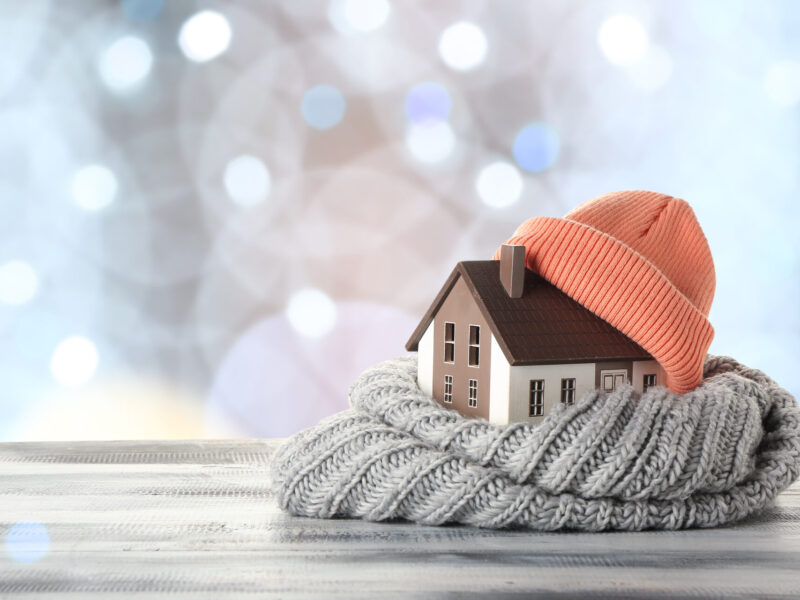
[[612, 365], [460, 308], [519, 387], [510, 385], [642, 367], [425, 361], [503, 390], [499, 386], [635, 370]]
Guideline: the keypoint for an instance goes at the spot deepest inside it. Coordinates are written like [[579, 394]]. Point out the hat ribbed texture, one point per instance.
[[640, 261]]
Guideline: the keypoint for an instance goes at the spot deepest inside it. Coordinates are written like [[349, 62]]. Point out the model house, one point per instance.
[[502, 343]]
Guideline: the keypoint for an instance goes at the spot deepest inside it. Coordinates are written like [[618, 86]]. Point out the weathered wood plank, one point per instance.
[[198, 519]]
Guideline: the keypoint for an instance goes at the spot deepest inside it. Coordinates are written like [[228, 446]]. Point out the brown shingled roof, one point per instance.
[[544, 326]]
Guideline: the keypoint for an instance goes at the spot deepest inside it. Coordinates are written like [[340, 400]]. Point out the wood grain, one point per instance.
[[197, 519]]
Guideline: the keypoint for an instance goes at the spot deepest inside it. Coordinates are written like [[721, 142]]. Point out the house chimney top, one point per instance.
[[512, 269]]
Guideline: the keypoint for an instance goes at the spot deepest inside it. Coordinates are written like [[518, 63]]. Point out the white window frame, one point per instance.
[[613, 374], [448, 389], [472, 400], [645, 384], [476, 345], [449, 343], [568, 390], [536, 398]]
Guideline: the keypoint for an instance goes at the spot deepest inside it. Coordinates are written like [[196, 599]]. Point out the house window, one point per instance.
[[449, 342], [649, 381], [474, 345], [473, 393], [536, 408], [448, 389], [613, 378], [568, 391]]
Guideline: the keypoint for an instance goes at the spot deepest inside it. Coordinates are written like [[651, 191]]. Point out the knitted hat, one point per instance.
[[640, 261]]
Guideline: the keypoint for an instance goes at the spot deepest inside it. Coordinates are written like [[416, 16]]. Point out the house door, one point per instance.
[[610, 379]]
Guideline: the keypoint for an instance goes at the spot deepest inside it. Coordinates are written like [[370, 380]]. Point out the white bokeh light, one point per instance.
[[358, 16], [499, 184], [93, 187], [653, 71], [74, 361], [430, 142], [27, 541], [247, 180], [311, 312], [204, 36], [623, 40], [366, 15], [782, 83], [463, 46], [18, 282], [125, 63]]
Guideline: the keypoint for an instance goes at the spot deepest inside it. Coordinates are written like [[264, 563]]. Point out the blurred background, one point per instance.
[[214, 215]]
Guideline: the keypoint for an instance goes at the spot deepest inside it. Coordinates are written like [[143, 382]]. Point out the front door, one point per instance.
[[609, 380]]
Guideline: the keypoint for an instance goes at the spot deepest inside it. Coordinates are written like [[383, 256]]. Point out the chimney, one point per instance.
[[512, 269]]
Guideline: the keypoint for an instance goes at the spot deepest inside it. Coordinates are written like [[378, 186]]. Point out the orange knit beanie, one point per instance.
[[640, 261]]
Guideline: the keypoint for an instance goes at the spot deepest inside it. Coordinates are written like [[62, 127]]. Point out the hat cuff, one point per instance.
[[622, 287]]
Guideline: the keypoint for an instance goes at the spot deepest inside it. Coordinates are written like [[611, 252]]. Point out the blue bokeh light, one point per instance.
[[428, 102], [142, 10], [536, 147], [27, 541], [323, 106]]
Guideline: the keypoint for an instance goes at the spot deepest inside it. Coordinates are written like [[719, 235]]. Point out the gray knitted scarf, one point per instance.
[[611, 461]]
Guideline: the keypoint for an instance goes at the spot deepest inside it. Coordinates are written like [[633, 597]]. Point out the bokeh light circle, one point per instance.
[[623, 40], [653, 71], [431, 142], [94, 187], [323, 106], [18, 282], [27, 541], [428, 101], [463, 46], [366, 15], [499, 184], [536, 147], [256, 114], [204, 36], [782, 83], [247, 180], [74, 361], [350, 17], [311, 312], [125, 63]]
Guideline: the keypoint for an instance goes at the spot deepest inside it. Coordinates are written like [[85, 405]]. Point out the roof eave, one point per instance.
[[413, 342], [564, 361]]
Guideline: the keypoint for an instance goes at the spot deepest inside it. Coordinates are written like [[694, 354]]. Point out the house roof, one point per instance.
[[544, 326]]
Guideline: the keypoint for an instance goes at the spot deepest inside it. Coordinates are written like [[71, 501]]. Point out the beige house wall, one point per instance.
[[460, 308], [642, 367], [519, 387]]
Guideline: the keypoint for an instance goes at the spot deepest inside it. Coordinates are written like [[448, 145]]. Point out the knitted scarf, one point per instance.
[[611, 461]]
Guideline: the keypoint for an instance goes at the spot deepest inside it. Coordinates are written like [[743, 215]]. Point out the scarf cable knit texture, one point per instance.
[[617, 461]]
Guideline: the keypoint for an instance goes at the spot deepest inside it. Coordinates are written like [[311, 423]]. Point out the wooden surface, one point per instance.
[[197, 519]]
